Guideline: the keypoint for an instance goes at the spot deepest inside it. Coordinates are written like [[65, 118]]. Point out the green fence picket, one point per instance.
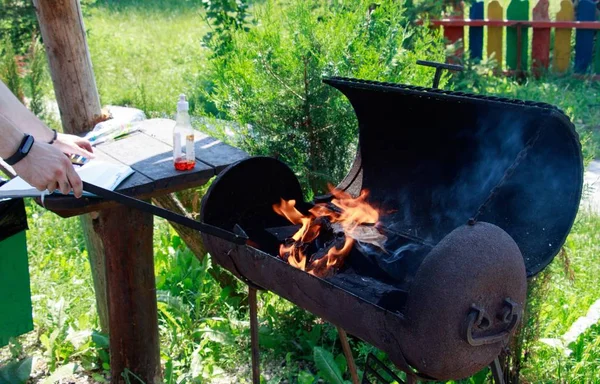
[[517, 10]]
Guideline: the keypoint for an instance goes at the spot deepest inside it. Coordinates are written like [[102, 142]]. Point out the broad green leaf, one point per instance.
[[341, 362], [327, 367], [100, 339], [305, 378], [16, 372], [99, 378], [169, 372]]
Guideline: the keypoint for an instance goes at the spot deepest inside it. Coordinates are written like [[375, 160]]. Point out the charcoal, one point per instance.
[[282, 233], [337, 242]]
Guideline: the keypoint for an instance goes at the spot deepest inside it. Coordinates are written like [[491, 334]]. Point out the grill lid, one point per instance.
[[436, 158]]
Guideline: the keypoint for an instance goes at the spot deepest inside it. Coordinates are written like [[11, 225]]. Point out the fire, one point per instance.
[[344, 212]]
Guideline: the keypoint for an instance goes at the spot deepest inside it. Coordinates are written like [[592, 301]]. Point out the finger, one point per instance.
[[75, 182], [65, 187], [53, 186], [76, 150], [86, 145]]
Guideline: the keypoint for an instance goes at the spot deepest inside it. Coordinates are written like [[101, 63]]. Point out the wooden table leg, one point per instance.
[[131, 290]]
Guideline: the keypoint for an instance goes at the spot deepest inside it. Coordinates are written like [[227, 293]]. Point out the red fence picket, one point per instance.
[[540, 43]]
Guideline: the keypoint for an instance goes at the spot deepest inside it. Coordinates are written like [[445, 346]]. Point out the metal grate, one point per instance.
[[377, 373]]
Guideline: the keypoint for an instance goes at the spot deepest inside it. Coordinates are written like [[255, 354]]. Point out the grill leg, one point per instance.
[[497, 371], [348, 353], [254, 335]]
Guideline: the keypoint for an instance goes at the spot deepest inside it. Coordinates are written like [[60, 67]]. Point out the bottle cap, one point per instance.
[[182, 104]]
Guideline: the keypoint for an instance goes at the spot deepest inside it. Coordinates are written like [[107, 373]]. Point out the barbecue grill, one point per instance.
[[479, 192], [483, 190]]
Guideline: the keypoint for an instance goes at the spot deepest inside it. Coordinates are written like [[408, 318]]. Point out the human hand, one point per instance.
[[74, 145], [47, 167]]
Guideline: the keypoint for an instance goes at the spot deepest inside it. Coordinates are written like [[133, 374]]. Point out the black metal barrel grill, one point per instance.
[[482, 193], [479, 194]]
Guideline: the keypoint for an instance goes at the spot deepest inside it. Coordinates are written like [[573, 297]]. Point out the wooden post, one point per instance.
[[63, 33], [131, 290]]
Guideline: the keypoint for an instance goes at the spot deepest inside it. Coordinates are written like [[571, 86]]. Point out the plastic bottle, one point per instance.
[[184, 157]]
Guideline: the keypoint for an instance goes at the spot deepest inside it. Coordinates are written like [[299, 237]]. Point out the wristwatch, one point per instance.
[[23, 150], [54, 137]]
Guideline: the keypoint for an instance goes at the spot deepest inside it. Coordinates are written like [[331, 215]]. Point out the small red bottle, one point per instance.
[[184, 157]]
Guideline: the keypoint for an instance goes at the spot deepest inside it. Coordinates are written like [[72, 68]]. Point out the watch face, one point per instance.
[[28, 144]]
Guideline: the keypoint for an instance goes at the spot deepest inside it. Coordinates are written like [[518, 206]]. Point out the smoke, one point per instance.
[[400, 252], [492, 153]]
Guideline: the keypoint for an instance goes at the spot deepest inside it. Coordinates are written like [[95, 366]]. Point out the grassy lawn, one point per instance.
[[145, 53]]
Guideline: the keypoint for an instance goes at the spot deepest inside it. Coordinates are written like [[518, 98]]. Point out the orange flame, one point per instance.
[[350, 213]]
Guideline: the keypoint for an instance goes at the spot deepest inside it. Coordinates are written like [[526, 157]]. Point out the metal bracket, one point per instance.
[[438, 69], [478, 318]]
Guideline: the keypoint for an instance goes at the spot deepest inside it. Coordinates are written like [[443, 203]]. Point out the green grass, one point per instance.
[[572, 287], [145, 53]]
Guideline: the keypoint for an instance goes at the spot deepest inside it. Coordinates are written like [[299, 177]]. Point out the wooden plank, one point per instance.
[[208, 149], [455, 35], [476, 33], [584, 39], [495, 34], [217, 153], [133, 317], [562, 38], [517, 38], [154, 159], [540, 46], [128, 185]]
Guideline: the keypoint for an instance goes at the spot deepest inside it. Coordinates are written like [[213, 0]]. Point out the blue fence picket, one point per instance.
[[584, 38], [476, 33]]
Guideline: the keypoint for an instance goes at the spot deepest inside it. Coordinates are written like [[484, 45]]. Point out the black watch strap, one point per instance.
[[22, 151], [54, 137]]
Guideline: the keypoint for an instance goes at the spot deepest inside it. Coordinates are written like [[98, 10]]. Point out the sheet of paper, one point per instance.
[[97, 172]]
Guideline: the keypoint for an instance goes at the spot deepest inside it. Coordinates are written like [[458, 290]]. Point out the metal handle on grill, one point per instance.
[[477, 318], [165, 214], [438, 69]]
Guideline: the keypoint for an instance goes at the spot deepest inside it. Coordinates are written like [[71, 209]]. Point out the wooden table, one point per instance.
[[126, 236]]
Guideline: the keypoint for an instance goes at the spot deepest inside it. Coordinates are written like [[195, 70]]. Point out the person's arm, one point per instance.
[[27, 122], [45, 166]]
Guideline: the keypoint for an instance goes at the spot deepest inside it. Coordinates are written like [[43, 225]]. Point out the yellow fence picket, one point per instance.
[[562, 38], [494, 43]]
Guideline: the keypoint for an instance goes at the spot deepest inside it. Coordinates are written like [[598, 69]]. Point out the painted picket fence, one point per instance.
[[508, 32]]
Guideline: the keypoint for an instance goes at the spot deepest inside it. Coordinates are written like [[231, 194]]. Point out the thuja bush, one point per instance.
[[270, 81]]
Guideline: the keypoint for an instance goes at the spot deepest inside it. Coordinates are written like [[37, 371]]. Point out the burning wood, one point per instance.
[[328, 232]]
